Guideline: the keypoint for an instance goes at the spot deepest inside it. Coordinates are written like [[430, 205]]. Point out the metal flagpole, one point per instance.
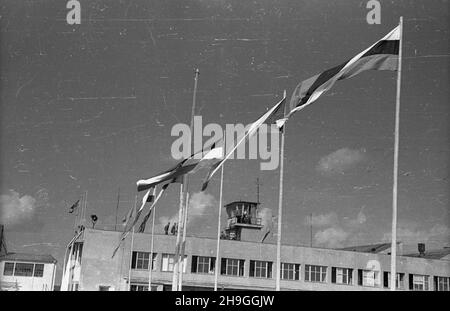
[[151, 251], [179, 257], [83, 213], [396, 144], [280, 205], [183, 244], [177, 247], [117, 208], [216, 275], [131, 247]]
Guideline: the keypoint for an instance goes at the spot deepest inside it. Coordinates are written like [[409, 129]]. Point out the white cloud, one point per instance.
[[340, 160], [322, 220], [15, 209], [331, 237], [199, 205]]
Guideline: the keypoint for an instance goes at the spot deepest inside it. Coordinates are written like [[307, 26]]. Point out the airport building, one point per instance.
[[244, 265], [27, 272]]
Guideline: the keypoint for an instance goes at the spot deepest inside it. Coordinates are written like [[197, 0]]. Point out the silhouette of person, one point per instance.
[[166, 228], [174, 229]]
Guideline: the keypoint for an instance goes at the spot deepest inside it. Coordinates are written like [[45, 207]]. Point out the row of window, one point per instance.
[[23, 269], [290, 271]]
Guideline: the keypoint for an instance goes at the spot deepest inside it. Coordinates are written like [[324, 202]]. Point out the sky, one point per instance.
[[90, 108]]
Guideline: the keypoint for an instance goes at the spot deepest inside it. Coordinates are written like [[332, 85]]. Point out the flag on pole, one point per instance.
[[382, 55], [74, 206], [147, 216], [132, 220], [186, 166], [276, 112]]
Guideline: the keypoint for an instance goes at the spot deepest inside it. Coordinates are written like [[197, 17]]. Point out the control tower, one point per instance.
[[241, 214]]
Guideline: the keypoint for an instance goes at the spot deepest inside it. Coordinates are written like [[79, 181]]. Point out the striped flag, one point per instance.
[[190, 165], [271, 116], [134, 217], [382, 55], [147, 216]]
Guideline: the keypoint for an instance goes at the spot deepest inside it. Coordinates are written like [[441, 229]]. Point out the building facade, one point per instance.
[[244, 266], [27, 272]]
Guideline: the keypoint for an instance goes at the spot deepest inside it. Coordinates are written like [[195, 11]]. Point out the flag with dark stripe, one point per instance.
[[382, 55]]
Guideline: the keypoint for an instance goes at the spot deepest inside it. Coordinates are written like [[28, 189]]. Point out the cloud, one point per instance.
[[334, 233], [15, 209], [359, 220], [322, 220], [199, 205], [340, 160], [331, 237]]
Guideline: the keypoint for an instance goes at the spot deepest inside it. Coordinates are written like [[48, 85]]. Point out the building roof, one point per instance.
[[372, 248], [28, 257], [432, 254], [238, 202]]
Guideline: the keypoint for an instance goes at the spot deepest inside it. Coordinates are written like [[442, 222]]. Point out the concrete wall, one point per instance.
[[28, 283], [98, 268]]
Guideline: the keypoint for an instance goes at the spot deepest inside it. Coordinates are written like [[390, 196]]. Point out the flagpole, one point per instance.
[[179, 257], [117, 208], [183, 245], [216, 274], [151, 252], [396, 151], [280, 205], [131, 247], [177, 246]]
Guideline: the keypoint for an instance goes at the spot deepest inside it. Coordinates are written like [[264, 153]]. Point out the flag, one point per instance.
[[186, 166], [73, 207], [132, 220], [147, 216], [382, 55], [269, 117]]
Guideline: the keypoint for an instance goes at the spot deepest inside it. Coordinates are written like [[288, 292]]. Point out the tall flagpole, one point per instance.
[[280, 205], [117, 208], [177, 247], [216, 274], [151, 251], [396, 143], [178, 257], [131, 247], [183, 245]]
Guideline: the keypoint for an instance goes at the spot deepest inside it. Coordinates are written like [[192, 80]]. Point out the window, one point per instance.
[[260, 269], [342, 276], [167, 262], [290, 271], [315, 273], [202, 264], [368, 278], [9, 268], [399, 282], [441, 283], [24, 269], [140, 260], [418, 282], [138, 288], [231, 266], [39, 270], [103, 288]]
